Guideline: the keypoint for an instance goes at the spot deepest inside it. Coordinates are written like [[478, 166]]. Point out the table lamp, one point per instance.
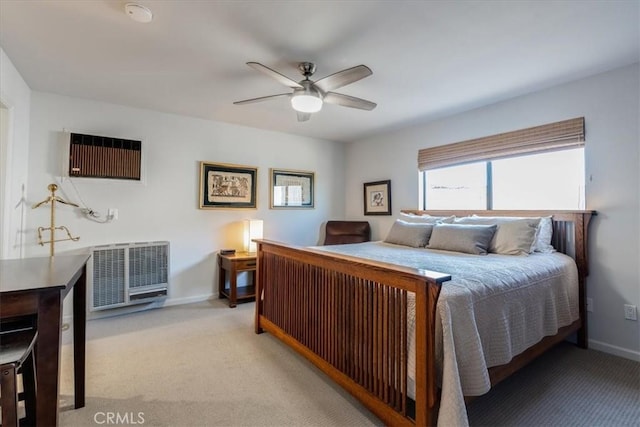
[[252, 230]]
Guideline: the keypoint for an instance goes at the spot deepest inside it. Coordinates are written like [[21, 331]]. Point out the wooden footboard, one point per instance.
[[348, 316]]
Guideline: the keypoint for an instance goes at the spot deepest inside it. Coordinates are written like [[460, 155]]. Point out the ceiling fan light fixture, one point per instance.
[[308, 95], [306, 103]]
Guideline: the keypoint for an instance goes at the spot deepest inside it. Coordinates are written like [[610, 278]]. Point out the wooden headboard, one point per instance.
[[569, 228]]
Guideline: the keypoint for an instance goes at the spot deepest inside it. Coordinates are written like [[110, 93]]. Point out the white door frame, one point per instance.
[[6, 139]]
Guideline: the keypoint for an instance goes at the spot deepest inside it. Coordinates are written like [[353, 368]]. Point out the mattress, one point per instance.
[[493, 308]]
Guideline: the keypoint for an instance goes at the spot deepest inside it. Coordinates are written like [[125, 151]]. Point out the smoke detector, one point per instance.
[[138, 12]]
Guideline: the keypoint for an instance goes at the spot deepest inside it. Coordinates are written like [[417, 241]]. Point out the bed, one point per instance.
[[384, 320]]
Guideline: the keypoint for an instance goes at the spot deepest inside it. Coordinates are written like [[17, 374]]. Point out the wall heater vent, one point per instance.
[[124, 274], [92, 156]]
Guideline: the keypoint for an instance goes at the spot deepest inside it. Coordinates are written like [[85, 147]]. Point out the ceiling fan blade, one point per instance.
[[275, 75], [303, 117], [262, 98], [343, 78], [348, 101]]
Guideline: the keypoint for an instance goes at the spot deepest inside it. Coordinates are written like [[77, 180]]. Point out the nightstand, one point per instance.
[[234, 264]]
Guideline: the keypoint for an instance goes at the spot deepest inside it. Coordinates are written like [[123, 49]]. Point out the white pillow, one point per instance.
[[425, 219], [514, 235], [543, 238], [404, 233], [467, 238]]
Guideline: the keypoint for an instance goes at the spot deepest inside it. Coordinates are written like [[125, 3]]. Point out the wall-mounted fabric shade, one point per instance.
[[550, 137]]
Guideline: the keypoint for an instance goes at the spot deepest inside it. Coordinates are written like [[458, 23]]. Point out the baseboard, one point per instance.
[[188, 300], [615, 350]]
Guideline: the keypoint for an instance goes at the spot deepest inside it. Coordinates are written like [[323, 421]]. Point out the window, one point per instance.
[[550, 180], [540, 167], [457, 187], [542, 181]]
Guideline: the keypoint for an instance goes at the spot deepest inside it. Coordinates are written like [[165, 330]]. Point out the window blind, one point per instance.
[[550, 137]]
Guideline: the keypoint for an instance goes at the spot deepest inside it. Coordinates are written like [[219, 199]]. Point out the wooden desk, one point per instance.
[[37, 286], [234, 264]]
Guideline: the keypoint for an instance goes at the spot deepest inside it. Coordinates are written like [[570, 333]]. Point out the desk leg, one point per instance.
[[79, 337], [48, 357]]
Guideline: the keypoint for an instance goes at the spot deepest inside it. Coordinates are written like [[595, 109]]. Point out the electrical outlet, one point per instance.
[[112, 213], [630, 312], [590, 305]]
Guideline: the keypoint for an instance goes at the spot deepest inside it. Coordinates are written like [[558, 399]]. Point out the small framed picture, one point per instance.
[[377, 198], [226, 186], [291, 189]]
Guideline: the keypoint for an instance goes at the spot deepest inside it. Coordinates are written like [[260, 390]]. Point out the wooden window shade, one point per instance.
[[102, 157], [538, 139]]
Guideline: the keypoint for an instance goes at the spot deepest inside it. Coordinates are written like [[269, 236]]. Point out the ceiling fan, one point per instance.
[[308, 96]]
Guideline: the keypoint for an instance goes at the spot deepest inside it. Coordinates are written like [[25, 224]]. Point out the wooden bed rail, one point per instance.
[[348, 316]]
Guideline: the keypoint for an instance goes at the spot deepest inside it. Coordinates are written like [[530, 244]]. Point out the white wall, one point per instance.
[[15, 95], [609, 103], [166, 207]]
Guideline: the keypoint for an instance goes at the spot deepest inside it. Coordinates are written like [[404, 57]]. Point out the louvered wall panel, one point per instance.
[[108, 277], [147, 265], [128, 273], [92, 156]]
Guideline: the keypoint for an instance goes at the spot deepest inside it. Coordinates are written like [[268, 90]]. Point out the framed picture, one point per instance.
[[377, 198], [227, 186], [291, 189]]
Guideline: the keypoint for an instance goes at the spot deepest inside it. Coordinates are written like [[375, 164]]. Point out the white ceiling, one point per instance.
[[429, 58]]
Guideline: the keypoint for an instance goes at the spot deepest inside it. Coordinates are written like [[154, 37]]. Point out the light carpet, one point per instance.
[[203, 365]]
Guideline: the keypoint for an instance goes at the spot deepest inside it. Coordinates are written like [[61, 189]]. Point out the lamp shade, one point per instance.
[[252, 230]]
